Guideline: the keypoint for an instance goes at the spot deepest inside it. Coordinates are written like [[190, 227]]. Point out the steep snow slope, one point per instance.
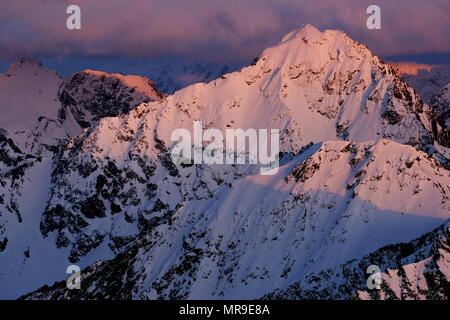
[[415, 270], [13, 165], [26, 258], [29, 107], [334, 202]]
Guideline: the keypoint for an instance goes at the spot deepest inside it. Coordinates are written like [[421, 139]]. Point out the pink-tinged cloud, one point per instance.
[[211, 29]]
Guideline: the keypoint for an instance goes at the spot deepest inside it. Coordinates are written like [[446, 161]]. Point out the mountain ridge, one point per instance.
[[217, 253], [351, 135]]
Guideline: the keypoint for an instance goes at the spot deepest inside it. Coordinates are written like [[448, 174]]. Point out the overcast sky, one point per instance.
[[210, 30]]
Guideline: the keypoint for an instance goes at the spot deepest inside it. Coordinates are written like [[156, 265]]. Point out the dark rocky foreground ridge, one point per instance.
[[416, 270], [413, 270]]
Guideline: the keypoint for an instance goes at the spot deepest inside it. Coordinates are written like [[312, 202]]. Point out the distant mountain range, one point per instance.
[[432, 82], [426, 79]]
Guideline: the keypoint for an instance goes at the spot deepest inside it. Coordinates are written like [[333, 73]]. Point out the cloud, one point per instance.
[[229, 30]]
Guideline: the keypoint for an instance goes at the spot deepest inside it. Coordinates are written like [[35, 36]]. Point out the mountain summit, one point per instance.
[[314, 86]]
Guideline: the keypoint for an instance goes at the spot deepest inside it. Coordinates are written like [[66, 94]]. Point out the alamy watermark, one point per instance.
[[73, 21], [374, 280], [236, 148], [74, 280], [374, 20]]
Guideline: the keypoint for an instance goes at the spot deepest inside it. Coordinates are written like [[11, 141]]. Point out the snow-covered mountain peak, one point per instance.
[[321, 88], [308, 31], [317, 48], [91, 95], [310, 34], [25, 65], [138, 83]]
